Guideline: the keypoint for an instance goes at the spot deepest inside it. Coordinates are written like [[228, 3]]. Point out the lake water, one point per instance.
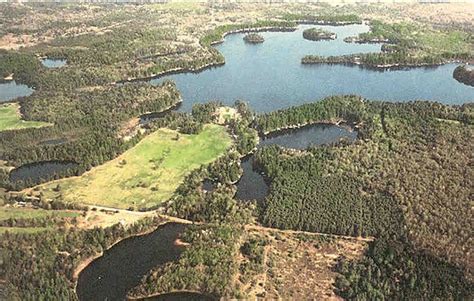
[[252, 185], [270, 75], [37, 171], [10, 90], [122, 267], [53, 63]]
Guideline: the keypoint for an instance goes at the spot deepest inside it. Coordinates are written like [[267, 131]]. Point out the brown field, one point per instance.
[[299, 266]]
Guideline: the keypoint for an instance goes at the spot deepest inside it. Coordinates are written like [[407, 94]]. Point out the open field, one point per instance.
[[26, 230], [147, 174], [10, 119], [21, 213]]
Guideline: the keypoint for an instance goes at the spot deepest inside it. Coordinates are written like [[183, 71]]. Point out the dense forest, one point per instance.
[[464, 75], [402, 183]]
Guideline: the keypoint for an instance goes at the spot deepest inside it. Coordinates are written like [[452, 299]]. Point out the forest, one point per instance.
[[390, 184], [316, 34], [52, 256]]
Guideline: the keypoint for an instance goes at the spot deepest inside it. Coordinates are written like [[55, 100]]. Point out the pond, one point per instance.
[[270, 75], [252, 185], [10, 90], [38, 171], [122, 267], [53, 63]]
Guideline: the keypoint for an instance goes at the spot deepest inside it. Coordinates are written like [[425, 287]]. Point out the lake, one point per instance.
[[122, 267], [270, 75]]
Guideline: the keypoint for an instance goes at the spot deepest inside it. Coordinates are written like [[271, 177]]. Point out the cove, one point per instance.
[[10, 90], [122, 266], [38, 171], [252, 185], [270, 75]]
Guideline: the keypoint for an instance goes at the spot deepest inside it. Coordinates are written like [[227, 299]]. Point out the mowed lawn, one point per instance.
[[10, 118], [147, 174]]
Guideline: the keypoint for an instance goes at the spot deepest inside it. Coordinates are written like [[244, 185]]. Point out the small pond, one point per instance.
[[35, 172], [53, 63], [252, 185], [10, 90]]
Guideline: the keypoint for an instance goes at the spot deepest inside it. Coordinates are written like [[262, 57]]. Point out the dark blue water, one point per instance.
[[252, 185], [11, 90], [53, 63], [270, 75]]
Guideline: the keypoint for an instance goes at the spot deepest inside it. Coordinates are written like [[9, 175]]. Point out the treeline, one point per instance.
[[385, 60], [316, 34], [332, 109], [217, 34], [334, 20], [464, 75], [52, 256], [207, 265]]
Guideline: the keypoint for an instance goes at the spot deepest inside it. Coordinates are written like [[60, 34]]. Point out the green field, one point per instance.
[[147, 174], [21, 213], [10, 118], [26, 230]]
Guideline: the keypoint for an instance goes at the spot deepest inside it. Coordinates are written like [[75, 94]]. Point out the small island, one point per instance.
[[254, 38], [316, 34], [464, 75]]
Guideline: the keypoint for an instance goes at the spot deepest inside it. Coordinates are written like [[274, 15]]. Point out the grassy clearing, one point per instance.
[[147, 174], [10, 118], [27, 230], [20, 213]]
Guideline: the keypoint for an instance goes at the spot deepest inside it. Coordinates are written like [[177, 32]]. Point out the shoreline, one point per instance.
[[340, 122], [168, 293], [85, 263]]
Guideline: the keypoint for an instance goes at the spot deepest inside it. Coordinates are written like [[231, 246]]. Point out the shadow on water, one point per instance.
[[252, 185], [122, 267]]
